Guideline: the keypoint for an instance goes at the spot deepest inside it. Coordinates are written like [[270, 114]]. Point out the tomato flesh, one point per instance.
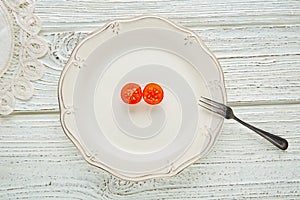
[[153, 94], [131, 93]]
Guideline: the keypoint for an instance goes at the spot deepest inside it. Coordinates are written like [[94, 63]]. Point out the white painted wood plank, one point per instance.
[[58, 15], [257, 42], [267, 77], [254, 77], [37, 161]]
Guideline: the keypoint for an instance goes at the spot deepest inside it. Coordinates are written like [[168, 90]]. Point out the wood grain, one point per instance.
[[257, 42], [38, 161], [192, 13]]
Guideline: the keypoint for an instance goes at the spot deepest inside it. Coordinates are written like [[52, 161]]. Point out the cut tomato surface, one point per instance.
[[153, 94], [131, 93]]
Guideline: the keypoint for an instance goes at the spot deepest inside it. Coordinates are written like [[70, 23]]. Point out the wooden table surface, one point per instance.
[[258, 45]]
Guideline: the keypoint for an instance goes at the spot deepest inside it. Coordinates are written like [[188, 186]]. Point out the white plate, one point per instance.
[[141, 141]]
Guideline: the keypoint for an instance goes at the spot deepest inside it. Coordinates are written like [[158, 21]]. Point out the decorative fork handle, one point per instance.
[[274, 139]]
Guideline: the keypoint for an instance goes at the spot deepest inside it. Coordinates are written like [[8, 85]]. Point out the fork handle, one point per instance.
[[279, 142]]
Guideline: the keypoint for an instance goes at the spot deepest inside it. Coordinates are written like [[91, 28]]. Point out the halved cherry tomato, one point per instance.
[[153, 94], [131, 93]]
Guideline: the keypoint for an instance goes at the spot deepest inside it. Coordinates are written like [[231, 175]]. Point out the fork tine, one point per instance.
[[214, 102], [214, 111], [211, 105]]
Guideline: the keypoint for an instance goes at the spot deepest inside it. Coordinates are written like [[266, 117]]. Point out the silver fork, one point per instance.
[[227, 113]]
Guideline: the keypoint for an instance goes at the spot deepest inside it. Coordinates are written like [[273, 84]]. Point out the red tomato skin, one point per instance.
[[131, 93], [153, 94]]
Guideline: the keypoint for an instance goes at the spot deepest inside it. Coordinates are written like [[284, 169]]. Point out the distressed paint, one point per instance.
[[257, 43], [39, 161]]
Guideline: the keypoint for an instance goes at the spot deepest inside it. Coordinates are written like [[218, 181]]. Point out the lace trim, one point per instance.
[[62, 45], [24, 65]]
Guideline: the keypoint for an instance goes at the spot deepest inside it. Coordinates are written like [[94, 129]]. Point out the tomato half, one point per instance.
[[153, 94], [131, 93]]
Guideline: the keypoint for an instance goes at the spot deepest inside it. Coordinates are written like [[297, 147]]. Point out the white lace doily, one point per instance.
[[20, 51]]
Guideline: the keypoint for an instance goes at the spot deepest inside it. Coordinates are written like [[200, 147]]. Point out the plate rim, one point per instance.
[[63, 109]]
